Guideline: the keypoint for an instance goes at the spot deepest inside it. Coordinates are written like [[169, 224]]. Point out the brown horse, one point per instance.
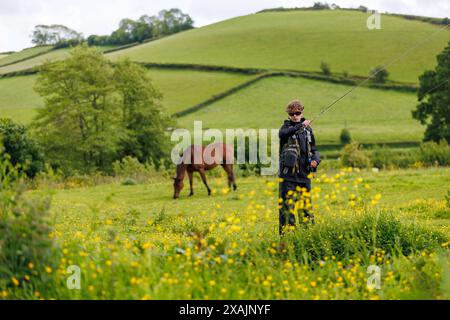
[[200, 159]]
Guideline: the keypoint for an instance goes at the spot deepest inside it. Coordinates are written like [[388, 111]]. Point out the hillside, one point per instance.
[[181, 89], [297, 40], [37, 58], [24, 54], [300, 40], [371, 115]]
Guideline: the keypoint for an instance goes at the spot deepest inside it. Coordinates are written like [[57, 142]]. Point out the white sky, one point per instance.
[[18, 17]]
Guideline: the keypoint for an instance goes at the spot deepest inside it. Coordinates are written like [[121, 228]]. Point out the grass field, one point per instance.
[[370, 115], [130, 240], [24, 54], [181, 90], [135, 242], [300, 40], [18, 100], [185, 88], [39, 60]]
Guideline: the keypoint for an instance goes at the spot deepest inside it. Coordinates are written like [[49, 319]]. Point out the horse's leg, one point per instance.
[[231, 181], [191, 181], [202, 174]]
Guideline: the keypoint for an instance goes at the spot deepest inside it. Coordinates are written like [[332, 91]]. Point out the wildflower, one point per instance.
[[15, 281]]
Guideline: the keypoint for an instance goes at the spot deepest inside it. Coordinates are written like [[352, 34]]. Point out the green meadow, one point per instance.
[[51, 55], [24, 54], [371, 115], [131, 240], [301, 40], [181, 89], [135, 242]]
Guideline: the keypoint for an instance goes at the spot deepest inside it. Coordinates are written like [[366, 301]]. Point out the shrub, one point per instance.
[[27, 252], [353, 156], [22, 149], [133, 171], [433, 153], [379, 74], [382, 157], [129, 182], [345, 136], [325, 67]]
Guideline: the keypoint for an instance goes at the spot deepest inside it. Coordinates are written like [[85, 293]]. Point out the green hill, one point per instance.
[[300, 40], [33, 61], [181, 89], [295, 40], [24, 54], [371, 115]]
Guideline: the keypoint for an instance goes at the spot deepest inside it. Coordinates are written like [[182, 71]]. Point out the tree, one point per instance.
[[54, 35], [146, 27], [345, 136], [321, 6], [79, 126], [379, 74], [325, 67], [434, 97], [22, 149], [142, 116], [173, 21], [96, 112]]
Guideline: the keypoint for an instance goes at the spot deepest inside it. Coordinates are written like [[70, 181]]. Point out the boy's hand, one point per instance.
[[306, 123], [314, 164]]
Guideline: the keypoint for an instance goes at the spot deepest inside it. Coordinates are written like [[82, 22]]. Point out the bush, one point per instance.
[[133, 171], [382, 157], [353, 156], [432, 153], [379, 74], [345, 136], [325, 67], [129, 182], [22, 149], [26, 248]]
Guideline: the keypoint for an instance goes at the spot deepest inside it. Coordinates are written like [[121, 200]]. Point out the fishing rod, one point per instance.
[[405, 53]]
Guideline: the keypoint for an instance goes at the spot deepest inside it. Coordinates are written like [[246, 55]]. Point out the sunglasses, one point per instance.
[[295, 114]]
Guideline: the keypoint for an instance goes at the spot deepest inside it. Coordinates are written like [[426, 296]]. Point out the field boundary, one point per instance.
[[219, 96], [27, 58], [270, 74], [261, 74], [334, 78]]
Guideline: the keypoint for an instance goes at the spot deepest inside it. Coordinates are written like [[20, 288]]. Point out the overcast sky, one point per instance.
[[18, 17]]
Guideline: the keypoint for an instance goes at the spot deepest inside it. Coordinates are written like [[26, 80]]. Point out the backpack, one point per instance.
[[290, 155]]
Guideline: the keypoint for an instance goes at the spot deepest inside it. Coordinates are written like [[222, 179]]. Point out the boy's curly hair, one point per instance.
[[295, 106]]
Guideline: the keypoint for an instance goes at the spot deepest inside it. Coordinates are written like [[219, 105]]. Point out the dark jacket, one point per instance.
[[288, 129]]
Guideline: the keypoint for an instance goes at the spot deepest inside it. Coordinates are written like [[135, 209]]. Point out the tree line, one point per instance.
[[130, 31]]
